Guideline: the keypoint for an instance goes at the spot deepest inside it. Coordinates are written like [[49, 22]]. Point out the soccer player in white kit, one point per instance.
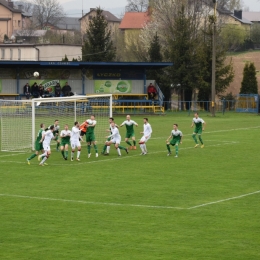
[[146, 136], [46, 141], [115, 138], [74, 141]]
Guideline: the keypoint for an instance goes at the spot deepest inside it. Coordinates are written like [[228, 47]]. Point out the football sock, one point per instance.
[[128, 143], [121, 147], [168, 148], [176, 149], [95, 147], [72, 154], [108, 149], [89, 148], [142, 147], [78, 154], [134, 142], [200, 139], [194, 138], [44, 159], [104, 148], [118, 151], [58, 145], [145, 150], [62, 152], [66, 154], [31, 157]]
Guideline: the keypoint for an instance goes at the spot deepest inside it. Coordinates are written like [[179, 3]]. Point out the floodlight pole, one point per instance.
[[213, 84]]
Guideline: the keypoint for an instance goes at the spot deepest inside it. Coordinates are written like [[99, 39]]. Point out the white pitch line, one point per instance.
[[219, 201], [218, 131], [91, 202], [121, 158]]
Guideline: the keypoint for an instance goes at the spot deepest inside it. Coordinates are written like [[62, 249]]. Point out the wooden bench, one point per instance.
[[135, 96], [3, 95]]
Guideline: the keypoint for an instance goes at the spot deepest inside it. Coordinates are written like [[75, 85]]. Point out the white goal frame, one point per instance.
[[38, 101]]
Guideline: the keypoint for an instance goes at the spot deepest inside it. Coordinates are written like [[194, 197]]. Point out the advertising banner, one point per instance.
[[113, 86], [48, 84]]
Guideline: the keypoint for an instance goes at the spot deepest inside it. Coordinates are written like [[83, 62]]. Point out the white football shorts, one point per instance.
[[46, 147], [144, 140], [75, 143]]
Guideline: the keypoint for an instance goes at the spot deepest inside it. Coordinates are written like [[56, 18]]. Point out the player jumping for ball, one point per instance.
[[90, 135], [130, 132], [38, 146], [176, 136], [46, 140], [146, 136], [198, 122]]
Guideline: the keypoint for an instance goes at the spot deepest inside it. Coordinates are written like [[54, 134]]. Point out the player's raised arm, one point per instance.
[[123, 124]]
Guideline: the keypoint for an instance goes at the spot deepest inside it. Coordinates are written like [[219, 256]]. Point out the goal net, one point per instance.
[[20, 121]]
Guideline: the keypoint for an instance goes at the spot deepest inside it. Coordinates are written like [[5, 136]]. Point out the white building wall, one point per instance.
[[46, 52]]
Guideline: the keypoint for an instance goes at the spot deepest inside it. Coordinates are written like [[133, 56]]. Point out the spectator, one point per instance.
[[57, 90], [66, 90], [35, 90], [152, 92], [27, 91], [41, 90]]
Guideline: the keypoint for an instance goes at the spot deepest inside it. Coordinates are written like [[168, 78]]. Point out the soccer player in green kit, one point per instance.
[[38, 146], [130, 132], [198, 122], [90, 135], [176, 136], [65, 141]]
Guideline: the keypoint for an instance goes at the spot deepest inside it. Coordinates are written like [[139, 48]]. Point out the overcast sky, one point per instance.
[[254, 5]]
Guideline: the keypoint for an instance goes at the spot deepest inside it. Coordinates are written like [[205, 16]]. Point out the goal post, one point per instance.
[[28, 115]]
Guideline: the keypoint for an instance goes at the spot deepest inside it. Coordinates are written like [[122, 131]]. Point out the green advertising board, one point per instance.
[[48, 84], [113, 86]]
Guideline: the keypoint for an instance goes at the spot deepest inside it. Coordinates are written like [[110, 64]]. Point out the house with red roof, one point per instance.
[[132, 23]]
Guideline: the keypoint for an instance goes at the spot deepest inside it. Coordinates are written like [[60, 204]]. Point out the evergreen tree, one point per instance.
[[249, 84], [98, 45], [65, 58], [155, 50], [224, 70], [159, 76]]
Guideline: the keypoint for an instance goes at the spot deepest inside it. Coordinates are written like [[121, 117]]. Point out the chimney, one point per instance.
[[10, 4], [92, 9], [20, 7], [238, 14]]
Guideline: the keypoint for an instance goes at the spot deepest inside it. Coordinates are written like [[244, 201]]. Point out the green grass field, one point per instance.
[[202, 205]]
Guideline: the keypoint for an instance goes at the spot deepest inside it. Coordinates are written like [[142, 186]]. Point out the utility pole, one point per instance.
[[213, 84]]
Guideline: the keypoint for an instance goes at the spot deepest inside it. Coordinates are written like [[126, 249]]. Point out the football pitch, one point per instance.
[[202, 205]]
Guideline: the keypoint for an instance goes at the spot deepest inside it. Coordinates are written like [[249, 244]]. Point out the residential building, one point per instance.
[[132, 23], [253, 17], [11, 19], [112, 20], [39, 52]]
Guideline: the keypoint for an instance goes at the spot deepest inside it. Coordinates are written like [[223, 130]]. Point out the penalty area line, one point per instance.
[[90, 202], [224, 200]]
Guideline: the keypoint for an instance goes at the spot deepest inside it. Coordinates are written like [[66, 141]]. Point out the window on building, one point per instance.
[[11, 54], [2, 54], [90, 17], [19, 23], [19, 54]]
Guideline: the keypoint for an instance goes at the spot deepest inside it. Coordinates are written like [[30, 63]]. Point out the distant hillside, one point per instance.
[[239, 61]]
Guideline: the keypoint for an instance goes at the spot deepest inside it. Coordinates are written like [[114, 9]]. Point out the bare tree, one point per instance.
[[137, 5], [46, 12]]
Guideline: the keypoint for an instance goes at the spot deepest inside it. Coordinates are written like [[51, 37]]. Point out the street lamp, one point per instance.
[[213, 84]]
